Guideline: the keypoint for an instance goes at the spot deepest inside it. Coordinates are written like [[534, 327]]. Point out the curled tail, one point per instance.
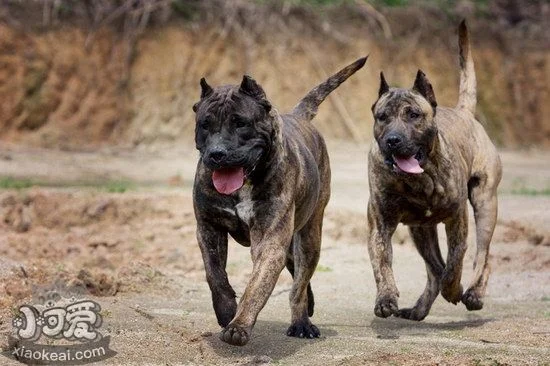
[[306, 109], [467, 98]]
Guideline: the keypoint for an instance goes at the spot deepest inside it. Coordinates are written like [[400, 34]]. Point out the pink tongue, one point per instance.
[[409, 165], [228, 180]]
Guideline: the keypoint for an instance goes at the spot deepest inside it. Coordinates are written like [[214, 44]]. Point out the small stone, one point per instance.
[[258, 360]]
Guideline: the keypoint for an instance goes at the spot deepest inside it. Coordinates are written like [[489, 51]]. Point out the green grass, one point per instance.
[[13, 183], [321, 268], [527, 191], [392, 2], [115, 186], [520, 187]]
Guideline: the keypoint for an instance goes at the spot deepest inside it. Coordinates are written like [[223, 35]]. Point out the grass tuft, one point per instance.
[[526, 191], [321, 268], [13, 183], [118, 186]]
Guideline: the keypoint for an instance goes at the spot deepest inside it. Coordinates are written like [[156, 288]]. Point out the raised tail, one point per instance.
[[306, 109], [467, 94]]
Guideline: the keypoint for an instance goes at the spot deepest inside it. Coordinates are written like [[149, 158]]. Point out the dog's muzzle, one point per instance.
[[215, 157], [402, 157]]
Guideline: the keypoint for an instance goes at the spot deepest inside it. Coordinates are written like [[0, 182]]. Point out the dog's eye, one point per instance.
[[240, 122], [382, 117], [413, 115], [203, 124]]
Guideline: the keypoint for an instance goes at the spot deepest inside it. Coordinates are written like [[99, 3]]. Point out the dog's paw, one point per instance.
[[225, 311], [451, 292], [303, 329], [472, 300], [386, 306], [235, 335], [411, 314]]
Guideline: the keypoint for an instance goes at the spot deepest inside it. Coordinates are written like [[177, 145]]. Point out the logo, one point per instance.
[[59, 331]]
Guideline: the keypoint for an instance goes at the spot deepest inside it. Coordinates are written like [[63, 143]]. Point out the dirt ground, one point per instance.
[[119, 224]]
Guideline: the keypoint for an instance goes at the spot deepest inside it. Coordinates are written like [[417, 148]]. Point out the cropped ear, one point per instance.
[[206, 89], [423, 86], [251, 88], [384, 87]]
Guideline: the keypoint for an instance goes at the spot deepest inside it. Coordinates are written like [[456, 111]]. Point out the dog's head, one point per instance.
[[404, 124], [235, 130]]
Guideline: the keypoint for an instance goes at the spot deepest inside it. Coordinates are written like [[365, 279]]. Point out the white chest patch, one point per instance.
[[245, 207], [228, 210]]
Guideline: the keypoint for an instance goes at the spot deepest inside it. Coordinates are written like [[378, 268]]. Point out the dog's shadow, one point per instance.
[[393, 328], [268, 339]]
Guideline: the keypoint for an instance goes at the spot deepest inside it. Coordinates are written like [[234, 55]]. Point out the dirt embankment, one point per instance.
[[62, 88], [55, 93]]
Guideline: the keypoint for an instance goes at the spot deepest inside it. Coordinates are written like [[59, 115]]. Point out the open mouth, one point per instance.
[[408, 164], [228, 180]]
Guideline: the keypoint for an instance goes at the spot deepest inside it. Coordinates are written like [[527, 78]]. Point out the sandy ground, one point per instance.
[[135, 253]]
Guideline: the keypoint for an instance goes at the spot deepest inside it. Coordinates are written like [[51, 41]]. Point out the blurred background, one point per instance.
[[76, 75]]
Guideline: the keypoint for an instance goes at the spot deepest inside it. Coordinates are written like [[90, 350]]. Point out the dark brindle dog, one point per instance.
[[426, 164], [264, 179]]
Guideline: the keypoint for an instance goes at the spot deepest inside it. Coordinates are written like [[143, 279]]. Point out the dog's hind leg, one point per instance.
[[213, 245], [426, 242], [484, 202], [290, 267], [307, 248], [457, 232]]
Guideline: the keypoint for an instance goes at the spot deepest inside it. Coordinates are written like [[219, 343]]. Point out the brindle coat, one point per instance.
[[460, 163], [279, 210]]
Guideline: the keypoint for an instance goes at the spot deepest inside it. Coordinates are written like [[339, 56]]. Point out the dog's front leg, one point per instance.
[[457, 231], [380, 252], [269, 247], [213, 245]]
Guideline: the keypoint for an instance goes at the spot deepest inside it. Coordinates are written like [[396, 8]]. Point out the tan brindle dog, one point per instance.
[[426, 164], [264, 179]]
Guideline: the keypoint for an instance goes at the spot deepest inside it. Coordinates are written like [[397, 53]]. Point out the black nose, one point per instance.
[[393, 141], [217, 155]]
